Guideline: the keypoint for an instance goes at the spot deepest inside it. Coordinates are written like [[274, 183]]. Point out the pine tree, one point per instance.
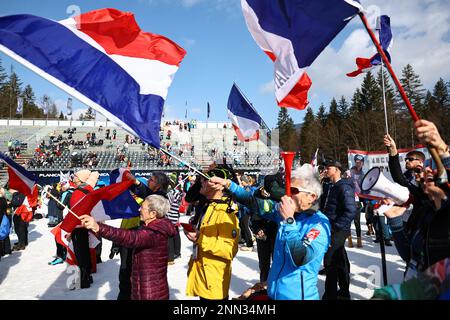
[[309, 137], [287, 133], [333, 113], [11, 91], [3, 75], [441, 93], [414, 90], [343, 108], [370, 94], [61, 116], [322, 116]]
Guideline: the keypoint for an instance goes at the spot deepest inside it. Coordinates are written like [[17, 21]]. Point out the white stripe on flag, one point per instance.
[[75, 93], [247, 127], [287, 72], [153, 76], [98, 212], [28, 182]]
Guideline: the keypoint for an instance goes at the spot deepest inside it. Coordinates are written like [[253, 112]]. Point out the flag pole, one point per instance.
[[184, 163], [382, 81], [384, 99], [60, 203], [442, 174]]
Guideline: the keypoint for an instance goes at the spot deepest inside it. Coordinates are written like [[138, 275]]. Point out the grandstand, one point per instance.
[[60, 145]]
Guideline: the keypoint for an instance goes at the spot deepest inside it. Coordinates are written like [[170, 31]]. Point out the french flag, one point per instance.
[[103, 59], [100, 205], [61, 237], [293, 34], [19, 178], [123, 206], [245, 120], [385, 38]]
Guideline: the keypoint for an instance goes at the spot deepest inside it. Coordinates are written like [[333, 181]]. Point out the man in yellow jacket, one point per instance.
[[215, 238]]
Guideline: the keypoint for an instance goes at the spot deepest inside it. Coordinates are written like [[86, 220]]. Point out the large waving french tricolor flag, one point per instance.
[[385, 38], [245, 120], [19, 178], [103, 59], [293, 34]]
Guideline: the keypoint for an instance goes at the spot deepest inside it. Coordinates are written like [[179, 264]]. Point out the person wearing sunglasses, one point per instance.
[[302, 238], [413, 160]]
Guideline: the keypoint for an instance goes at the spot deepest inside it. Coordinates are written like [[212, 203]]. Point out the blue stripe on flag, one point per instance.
[[18, 167], [240, 107], [309, 24], [60, 53]]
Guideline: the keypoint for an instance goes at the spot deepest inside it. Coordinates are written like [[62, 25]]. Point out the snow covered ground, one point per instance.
[[26, 274]]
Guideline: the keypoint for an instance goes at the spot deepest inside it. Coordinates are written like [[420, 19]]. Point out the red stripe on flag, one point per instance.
[[88, 202], [362, 63], [118, 33], [297, 98], [241, 136], [16, 183]]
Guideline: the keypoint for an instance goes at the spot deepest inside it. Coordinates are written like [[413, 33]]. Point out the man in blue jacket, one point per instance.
[[302, 238], [340, 208]]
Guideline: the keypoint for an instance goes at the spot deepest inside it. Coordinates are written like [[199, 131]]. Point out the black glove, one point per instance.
[[115, 249]]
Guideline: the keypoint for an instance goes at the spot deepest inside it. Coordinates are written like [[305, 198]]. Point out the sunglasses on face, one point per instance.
[[411, 159], [295, 190]]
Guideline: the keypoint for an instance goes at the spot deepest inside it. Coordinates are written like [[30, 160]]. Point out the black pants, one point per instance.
[[265, 255], [357, 222], [80, 239], [174, 244], [126, 263], [61, 251], [246, 233], [379, 221], [337, 267], [21, 229]]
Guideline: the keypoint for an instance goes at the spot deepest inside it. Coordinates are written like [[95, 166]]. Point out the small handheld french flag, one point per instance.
[[385, 37], [19, 178]]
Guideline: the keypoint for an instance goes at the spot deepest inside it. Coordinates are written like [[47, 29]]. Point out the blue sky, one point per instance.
[[220, 50]]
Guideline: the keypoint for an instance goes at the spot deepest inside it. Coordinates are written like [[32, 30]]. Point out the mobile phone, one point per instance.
[[188, 227]]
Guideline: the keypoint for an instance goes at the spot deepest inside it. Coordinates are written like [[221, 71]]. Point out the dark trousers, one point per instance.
[[337, 267], [265, 255], [61, 251], [245, 230], [174, 244], [357, 222], [80, 239], [21, 229], [126, 263], [379, 221]]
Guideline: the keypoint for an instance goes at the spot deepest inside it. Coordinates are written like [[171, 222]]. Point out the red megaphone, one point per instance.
[[288, 158]]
